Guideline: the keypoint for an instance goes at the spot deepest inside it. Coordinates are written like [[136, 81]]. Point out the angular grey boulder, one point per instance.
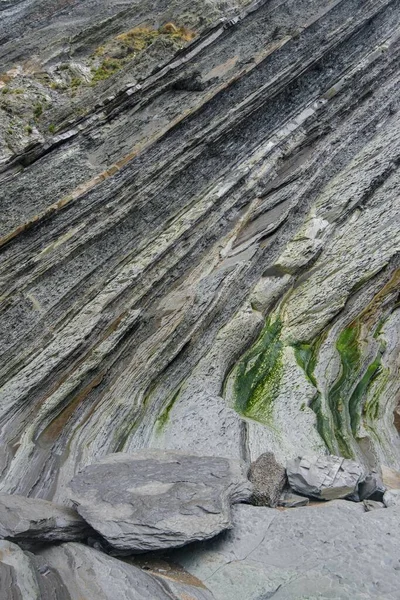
[[37, 520], [268, 478], [372, 487], [324, 477], [159, 499]]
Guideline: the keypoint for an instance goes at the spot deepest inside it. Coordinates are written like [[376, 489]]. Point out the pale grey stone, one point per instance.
[[324, 477], [391, 498], [37, 520], [334, 550], [158, 499], [268, 478]]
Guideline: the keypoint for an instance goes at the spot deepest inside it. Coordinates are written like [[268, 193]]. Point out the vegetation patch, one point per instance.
[[257, 376], [164, 417], [108, 67], [126, 46], [306, 355]]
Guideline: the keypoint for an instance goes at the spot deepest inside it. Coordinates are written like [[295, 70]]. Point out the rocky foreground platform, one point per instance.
[[141, 509], [199, 252]]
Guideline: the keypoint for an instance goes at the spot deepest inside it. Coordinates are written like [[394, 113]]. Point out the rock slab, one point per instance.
[[325, 477], [334, 550], [72, 571], [159, 499], [37, 520], [268, 478]]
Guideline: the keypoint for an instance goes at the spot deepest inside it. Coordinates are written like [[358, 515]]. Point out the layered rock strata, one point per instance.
[[211, 269]]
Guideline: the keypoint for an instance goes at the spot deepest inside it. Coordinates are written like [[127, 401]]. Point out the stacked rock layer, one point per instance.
[[204, 258]]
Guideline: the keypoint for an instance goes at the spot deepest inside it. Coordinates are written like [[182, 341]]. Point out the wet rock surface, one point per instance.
[[154, 500], [32, 519]]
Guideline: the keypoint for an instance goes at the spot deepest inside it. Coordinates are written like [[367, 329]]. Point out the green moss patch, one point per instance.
[[257, 376]]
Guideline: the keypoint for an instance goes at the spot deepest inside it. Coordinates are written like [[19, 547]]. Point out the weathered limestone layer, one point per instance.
[[208, 266]]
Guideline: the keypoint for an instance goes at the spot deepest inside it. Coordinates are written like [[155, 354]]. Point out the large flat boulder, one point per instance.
[[159, 499], [325, 477], [37, 520], [332, 550]]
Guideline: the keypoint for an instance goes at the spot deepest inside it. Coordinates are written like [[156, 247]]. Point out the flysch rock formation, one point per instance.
[[199, 252], [216, 270]]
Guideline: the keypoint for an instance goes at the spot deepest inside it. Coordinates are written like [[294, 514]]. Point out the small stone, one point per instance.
[[268, 478], [391, 498], [372, 505], [289, 500], [372, 487]]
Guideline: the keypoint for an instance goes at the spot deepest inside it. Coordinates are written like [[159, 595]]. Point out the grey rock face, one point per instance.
[[148, 221], [73, 571], [39, 521], [268, 478], [331, 551], [158, 499], [325, 477], [92, 575], [24, 576], [391, 498]]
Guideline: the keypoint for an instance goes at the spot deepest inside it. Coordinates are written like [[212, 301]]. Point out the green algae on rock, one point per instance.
[[257, 375]]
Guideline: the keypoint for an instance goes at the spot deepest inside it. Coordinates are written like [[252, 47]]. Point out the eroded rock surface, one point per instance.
[[215, 267], [37, 520], [153, 499], [268, 478], [331, 551]]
